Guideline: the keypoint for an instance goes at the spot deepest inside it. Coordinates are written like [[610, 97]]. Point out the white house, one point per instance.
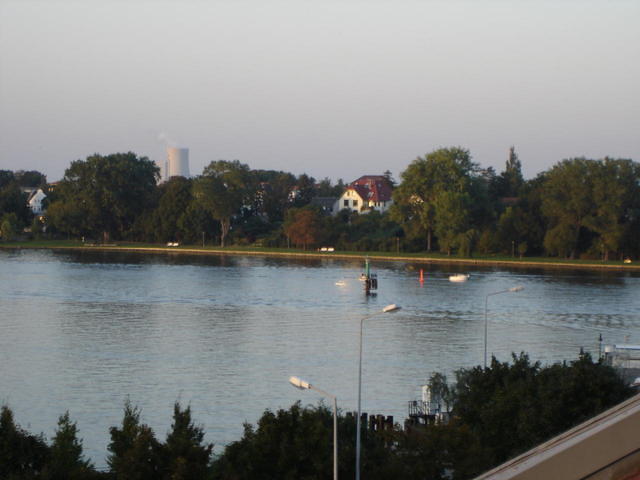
[[35, 201], [367, 193]]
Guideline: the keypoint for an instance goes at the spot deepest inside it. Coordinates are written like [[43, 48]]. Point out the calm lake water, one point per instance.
[[83, 331]]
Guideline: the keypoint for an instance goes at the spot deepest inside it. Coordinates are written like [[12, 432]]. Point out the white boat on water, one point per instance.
[[460, 277]]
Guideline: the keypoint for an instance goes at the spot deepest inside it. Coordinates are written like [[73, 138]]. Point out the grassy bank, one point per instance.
[[489, 260]]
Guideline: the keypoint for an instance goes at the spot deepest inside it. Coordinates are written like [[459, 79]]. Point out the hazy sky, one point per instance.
[[331, 88]]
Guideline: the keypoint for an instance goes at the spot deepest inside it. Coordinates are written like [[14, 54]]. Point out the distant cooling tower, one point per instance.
[[178, 162]]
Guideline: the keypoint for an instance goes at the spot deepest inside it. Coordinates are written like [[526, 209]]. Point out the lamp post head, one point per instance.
[[391, 308], [516, 289], [298, 383]]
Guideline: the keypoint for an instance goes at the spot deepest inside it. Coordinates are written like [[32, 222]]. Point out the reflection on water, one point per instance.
[[84, 330]]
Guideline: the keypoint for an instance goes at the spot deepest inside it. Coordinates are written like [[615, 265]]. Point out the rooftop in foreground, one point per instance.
[[604, 447]]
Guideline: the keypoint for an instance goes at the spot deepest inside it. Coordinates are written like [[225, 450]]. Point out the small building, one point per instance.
[[34, 200], [326, 204], [432, 408], [625, 359], [293, 194], [367, 193]]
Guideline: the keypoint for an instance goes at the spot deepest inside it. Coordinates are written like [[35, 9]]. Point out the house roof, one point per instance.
[[374, 188], [36, 195], [29, 190], [360, 190], [326, 203], [608, 443]]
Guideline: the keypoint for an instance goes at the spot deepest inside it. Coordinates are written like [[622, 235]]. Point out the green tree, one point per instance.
[[325, 188], [510, 181], [6, 177], [370, 231], [513, 407], [452, 219], [31, 178], [184, 455], [222, 190], [305, 190], [568, 204], [276, 194], [533, 226], [487, 241], [292, 443], [616, 197], [436, 451], [444, 171], [388, 177], [561, 240], [512, 229], [252, 228], [297, 443], [68, 217], [110, 192], [14, 201], [134, 450], [175, 198], [8, 226], [413, 201], [194, 221], [590, 203], [522, 249], [66, 461], [22, 455]]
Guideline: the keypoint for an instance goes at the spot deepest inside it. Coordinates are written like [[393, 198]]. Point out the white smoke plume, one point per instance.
[[164, 138]]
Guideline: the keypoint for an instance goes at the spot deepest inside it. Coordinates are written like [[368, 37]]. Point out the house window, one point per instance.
[[346, 203], [355, 203]]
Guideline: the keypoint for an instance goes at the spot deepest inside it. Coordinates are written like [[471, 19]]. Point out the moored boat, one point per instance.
[[460, 277]]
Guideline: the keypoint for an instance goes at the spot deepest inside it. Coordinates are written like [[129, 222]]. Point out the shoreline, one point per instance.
[[373, 256]]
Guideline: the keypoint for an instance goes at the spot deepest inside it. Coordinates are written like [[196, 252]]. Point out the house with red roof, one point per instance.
[[367, 193]]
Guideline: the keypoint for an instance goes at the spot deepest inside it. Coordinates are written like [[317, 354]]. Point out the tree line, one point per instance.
[[579, 208], [497, 413]]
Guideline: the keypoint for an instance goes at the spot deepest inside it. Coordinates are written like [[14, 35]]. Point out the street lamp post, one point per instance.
[[389, 308], [486, 303], [302, 385]]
